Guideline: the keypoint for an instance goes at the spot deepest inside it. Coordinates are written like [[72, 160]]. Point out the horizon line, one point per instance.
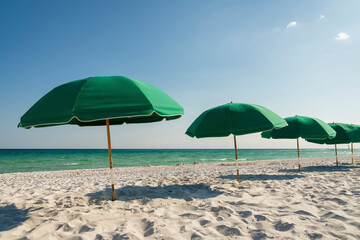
[[162, 148]]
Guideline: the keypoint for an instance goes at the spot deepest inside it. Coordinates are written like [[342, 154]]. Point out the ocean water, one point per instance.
[[28, 160]]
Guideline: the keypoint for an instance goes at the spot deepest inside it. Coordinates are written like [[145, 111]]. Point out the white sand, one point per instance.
[[185, 202]]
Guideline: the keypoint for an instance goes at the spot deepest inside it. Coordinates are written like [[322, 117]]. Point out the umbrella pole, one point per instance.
[[236, 157], [110, 160], [297, 140], [352, 154], [337, 162]]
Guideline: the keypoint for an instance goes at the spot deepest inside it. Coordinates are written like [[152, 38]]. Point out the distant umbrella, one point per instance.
[[352, 153], [345, 134], [99, 101], [352, 145], [236, 119], [304, 127]]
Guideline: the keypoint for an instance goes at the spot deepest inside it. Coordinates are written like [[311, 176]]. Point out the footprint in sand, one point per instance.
[[258, 235], [314, 236], [337, 200], [345, 192], [85, 228], [148, 228], [196, 236], [219, 219], [236, 203], [228, 231], [284, 226], [51, 213], [124, 236], [203, 222], [182, 229], [190, 215], [260, 218], [302, 212], [222, 209], [334, 216], [41, 201], [65, 227], [59, 203], [245, 214], [96, 201], [98, 237]]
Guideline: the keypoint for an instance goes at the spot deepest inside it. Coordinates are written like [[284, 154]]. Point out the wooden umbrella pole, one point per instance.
[[352, 154], [337, 162], [236, 157], [297, 141], [110, 160]]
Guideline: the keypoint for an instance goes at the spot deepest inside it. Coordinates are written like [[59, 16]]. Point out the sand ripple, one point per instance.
[[203, 201]]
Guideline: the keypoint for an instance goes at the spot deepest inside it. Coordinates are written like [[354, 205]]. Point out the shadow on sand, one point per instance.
[[12, 217], [341, 168], [262, 177], [127, 193]]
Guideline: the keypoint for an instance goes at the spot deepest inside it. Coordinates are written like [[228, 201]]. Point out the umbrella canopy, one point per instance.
[[90, 101], [304, 127], [345, 133], [236, 119], [98, 101], [352, 146]]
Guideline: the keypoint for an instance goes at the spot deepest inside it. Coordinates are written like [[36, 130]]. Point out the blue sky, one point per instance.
[[293, 57]]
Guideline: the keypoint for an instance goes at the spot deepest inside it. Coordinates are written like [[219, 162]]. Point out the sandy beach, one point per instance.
[[205, 201]]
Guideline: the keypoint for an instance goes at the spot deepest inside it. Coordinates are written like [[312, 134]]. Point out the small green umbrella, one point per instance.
[[352, 146], [304, 127], [345, 134], [99, 101], [236, 119]]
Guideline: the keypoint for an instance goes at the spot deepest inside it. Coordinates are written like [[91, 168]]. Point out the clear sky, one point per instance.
[[293, 57]]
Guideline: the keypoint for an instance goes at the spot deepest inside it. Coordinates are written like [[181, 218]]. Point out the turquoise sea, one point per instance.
[[28, 160]]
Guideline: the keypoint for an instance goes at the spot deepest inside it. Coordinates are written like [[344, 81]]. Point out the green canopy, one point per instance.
[[102, 101], [345, 134], [236, 119], [301, 126], [304, 127], [352, 144], [90, 101]]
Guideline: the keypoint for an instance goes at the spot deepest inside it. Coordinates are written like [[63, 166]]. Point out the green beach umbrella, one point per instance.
[[345, 134], [304, 127], [352, 146], [235, 119], [96, 101]]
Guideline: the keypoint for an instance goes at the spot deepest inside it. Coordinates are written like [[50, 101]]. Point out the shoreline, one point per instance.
[[202, 201], [342, 160]]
